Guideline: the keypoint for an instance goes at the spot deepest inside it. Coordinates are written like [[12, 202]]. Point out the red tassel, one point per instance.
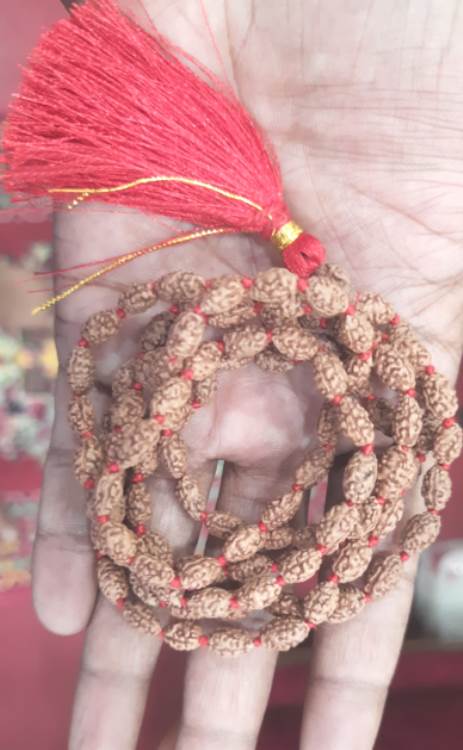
[[104, 104]]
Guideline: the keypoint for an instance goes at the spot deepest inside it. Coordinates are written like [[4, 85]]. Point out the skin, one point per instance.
[[362, 102]]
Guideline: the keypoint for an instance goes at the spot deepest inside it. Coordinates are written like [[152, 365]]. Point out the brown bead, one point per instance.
[[272, 361], [397, 471], [118, 542], [205, 390], [174, 454], [183, 636], [287, 604], [303, 538], [205, 362], [242, 543], [138, 504], [327, 296], [321, 602], [143, 592], [329, 374], [186, 335], [101, 326], [81, 414], [359, 372], [355, 332], [221, 524], [81, 370], [299, 565], [123, 380], [245, 341], [230, 642], [191, 497], [240, 314], [382, 575], [351, 560], [197, 572], [278, 538], [314, 468], [420, 531], [393, 369], [171, 396], [354, 421], [156, 367], [109, 497], [127, 447], [224, 294], [359, 476], [408, 345], [152, 543], [327, 426], [155, 333], [137, 298], [88, 460], [151, 571], [367, 517], [391, 514], [351, 601], [252, 567], [436, 487], [274, 285], [180, 286], [284, 633], [142, 617], [378, 311], [211, 602], [407, 421], [448, 444], [112, 580], [295, 342], [282, 509], [335, 526], [258, 593], [128, 407]]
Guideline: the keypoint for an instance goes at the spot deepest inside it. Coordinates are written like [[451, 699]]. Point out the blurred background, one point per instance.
[[39, 670]]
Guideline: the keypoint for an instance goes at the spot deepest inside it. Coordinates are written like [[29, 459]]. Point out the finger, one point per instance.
[[115, 676], [63, 579], [351, 669], [225, 698]]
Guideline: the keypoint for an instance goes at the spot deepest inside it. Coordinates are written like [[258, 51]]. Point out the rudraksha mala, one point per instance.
[[356, 345]]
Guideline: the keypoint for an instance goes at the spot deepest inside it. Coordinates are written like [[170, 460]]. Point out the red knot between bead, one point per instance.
[[257, 641], [113, 468], [187, 374], [333, 578], [167, 433], [159, 418], [430, 369], [203, 516], [322, 548], [120, 312], [222, 561], [176, 583], [323, 323], [174, 309], [196, 404], [103, 519], [140, 529], [350, 310], [367, 449], [373, 540], [336, 400], [274, 567], [421, 457], [307, 309], [280, 580], [86, 435], [138, 477], [404, 556], [89, 484], [263, 528], [220, 346], [302, 284], [395, 320], [83, 343], [411, 392], [445, 467], [233, 603], [120, 603], [137, 386], [203, 640], [448, 422], [247, 282], [296, 487]]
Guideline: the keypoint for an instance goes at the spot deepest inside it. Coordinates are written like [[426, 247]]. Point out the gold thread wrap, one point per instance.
[[286, 235]]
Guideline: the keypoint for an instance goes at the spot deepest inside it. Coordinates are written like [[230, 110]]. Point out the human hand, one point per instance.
[[362, 120]]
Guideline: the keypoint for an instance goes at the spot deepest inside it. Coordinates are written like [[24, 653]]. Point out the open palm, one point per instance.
[[365, 122]]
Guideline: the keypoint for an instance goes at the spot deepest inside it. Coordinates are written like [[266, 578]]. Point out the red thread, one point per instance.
[[102, 519], [448, 422], [263, 528], [404, 556], [203, 640], [89, 484], [336, 400], [83, 343], [247, 282], [196, 404], [430, 369], [367, 450], [120, 312], [138, 477], [257, 641], [176, 583], [186, 123]]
